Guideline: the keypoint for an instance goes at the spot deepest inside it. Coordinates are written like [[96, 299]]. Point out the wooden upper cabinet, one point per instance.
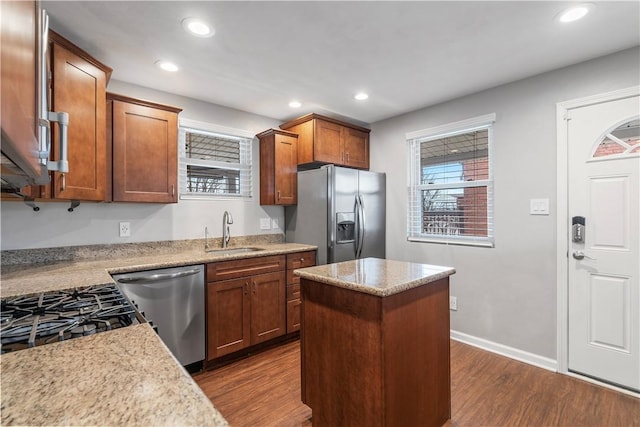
[[78, 87], [145, 150], [278, 167], [323, 140]]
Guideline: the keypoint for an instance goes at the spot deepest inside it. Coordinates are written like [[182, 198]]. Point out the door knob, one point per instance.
[[581, 255]]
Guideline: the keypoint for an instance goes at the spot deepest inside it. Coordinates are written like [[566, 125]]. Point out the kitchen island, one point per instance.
[[375, 343]]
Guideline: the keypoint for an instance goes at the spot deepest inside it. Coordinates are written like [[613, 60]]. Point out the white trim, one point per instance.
[[563, 110], [451, 240], [212, 127], [464, 125], [503, 350]]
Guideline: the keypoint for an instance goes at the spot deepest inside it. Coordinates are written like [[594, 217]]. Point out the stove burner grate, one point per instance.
[[57, 316]]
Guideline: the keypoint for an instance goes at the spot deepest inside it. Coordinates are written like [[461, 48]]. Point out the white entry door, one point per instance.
[[604, 267]]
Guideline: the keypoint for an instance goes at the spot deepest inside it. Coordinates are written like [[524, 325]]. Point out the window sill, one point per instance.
[[475, 243]]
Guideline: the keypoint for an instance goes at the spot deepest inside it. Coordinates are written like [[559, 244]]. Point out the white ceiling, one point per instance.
[[406, 55]]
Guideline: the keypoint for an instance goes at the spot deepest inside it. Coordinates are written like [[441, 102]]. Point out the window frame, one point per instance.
[[415, 186], [186, 125]]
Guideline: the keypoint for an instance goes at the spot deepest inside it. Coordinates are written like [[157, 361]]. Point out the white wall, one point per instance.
[[506, 294], [97, 223]]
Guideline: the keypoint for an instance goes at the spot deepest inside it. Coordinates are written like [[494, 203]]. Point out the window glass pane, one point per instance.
[[209, 147], [212, 180], [455, 212], [457, 158]]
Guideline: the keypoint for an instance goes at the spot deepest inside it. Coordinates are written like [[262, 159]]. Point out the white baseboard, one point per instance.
[[503, 350]]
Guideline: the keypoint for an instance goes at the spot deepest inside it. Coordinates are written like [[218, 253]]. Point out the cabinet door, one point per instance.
[[327, 144], [268, 318], [286, 170], [356, 148], [18, 32], [145, 150], [79, 88], [228, 317]]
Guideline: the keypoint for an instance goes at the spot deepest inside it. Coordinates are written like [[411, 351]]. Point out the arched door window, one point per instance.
[[622, 141]]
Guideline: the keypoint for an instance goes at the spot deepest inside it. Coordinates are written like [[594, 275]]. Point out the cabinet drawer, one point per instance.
[[292, 279], [293, 292], [244, 267], [293, 315], [301, 259]]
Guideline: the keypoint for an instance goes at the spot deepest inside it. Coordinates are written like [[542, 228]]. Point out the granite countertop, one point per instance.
[[122, 377], [375, 276], [25, 279]]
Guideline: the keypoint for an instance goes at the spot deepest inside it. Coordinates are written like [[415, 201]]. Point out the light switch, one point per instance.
[[539, 207], [265, 223]]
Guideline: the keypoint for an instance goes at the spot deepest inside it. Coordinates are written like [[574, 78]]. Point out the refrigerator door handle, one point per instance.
[[361, 226]]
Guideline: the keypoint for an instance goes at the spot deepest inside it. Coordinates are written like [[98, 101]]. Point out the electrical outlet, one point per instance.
[[125, 229], [265, 223], [274, 223], [453, 303]]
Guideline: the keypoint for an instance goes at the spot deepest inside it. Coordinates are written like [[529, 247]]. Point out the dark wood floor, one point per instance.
[[486, 390]]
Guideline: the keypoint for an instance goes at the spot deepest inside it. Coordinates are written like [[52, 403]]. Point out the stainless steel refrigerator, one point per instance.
[[340, 210]]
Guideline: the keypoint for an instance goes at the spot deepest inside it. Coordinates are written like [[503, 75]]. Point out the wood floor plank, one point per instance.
[[486, 390]]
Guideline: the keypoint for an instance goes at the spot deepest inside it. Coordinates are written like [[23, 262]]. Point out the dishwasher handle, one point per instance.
[[158, 277]]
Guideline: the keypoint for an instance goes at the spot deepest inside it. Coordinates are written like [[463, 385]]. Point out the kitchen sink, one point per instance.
[[232, 251]]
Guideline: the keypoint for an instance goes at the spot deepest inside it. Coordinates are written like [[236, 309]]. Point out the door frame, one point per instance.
[[562, 227]]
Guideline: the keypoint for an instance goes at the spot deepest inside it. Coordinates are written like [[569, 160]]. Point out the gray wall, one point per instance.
[[506, 294], [97, 223]]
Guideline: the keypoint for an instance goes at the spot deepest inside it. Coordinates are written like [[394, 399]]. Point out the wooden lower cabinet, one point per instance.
[[244, 311], [267, 307], [228, 319]]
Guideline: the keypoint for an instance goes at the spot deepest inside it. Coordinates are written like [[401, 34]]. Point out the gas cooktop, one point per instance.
[[28, 321]]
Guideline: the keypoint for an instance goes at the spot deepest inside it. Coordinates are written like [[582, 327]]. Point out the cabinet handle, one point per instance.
[[246, 288], [301, 259], [342, 156], [347, 157], [278, 194], [63, 185], [254, 288], [173, 190]]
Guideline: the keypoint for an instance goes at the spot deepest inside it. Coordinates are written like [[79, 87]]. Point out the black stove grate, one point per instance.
[[28, 321]]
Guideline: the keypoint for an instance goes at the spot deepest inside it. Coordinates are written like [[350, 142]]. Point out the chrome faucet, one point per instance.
[[226, 231]]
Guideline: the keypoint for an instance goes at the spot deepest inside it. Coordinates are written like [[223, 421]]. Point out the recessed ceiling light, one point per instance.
[[295, 104], [574, 12], [361, 96], [167, 66], [197, 27]]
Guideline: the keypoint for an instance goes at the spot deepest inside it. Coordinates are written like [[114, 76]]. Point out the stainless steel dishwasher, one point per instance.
[[173, 299]]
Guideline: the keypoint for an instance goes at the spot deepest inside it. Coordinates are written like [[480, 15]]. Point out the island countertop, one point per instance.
[[123, 377], [380, 277]]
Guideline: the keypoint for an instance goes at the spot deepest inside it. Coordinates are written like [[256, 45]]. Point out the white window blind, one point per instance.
[[451, 184], [214, 164]]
